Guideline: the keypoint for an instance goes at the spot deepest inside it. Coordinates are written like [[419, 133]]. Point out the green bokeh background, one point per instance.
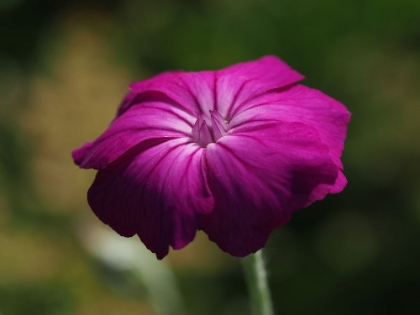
[[65, 65]]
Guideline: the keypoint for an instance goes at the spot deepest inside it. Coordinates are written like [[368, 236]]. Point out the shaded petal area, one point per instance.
[[244, 81], [258, 177], [158, 194], [143, 122], [191, 91], [299, 103]]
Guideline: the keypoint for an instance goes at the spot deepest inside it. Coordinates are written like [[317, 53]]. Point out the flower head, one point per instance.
[[232, 152]]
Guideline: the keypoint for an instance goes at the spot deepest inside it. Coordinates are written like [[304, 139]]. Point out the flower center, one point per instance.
[[208, 130]]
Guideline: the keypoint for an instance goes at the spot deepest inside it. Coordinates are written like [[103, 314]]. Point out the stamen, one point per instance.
[[206, 131], [196, 129], [218, 124], [205, 135]]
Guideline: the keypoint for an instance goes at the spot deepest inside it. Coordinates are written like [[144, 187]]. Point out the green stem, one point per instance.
[[256, 278]]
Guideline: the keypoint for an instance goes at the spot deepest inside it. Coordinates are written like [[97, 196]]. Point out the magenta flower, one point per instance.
[[232, 152]]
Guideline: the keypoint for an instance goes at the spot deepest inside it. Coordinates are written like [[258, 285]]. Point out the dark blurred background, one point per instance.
[[64, 67]]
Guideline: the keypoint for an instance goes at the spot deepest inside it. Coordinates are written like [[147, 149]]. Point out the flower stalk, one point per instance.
[[256, 278]]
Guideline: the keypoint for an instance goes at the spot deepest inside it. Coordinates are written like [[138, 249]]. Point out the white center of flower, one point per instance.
[[208, 130]]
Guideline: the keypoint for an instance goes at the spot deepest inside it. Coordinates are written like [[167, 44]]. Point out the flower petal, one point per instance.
[[158, 194], [193, 91], [222, 91], [258, 177], [142, 122], [299, 103], [244, 81]]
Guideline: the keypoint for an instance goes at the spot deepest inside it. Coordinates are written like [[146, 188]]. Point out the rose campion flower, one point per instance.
[[232, 152]]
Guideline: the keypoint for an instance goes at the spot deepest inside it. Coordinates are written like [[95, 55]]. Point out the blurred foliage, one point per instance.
[[64, 68], [43, 298]]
